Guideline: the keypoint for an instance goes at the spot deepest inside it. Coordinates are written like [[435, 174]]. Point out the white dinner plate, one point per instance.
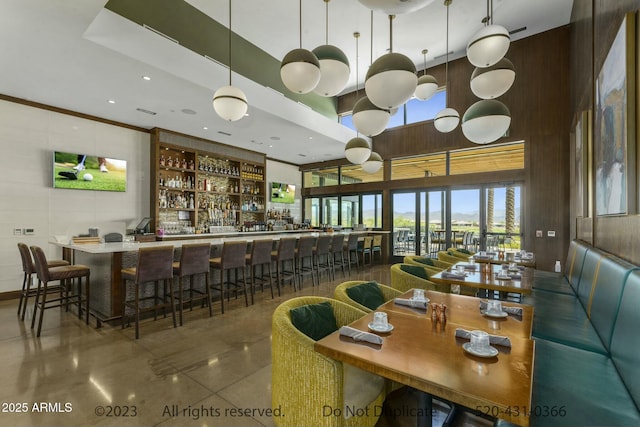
[[497, 314], [377, 328], [488, 352]]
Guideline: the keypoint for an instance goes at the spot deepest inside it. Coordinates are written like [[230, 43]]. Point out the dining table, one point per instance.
[[427, 355], [487, 277], [526, 260]]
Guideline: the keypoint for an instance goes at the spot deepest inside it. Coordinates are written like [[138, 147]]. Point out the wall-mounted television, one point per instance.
[[283, 193], [86, 172]]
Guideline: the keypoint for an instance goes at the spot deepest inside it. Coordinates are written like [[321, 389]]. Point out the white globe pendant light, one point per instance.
[[229, 102], [373, 163], [369, 119], [490, 44], [427, 84], [494, 81], [448, 118], [334, 65], [300, 68], [357, 150], [391, 79], [396, 7], [334, 70], [486, 121]]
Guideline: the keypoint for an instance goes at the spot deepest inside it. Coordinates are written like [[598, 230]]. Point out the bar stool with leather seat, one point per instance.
[[376, 247], [304, 252], [233, 257], [285, 253], [65, 274], [260, 256], [322, 255], [194, 261], [365, 248], [27, 281], [351, 252], [337, 253], [154, 265]]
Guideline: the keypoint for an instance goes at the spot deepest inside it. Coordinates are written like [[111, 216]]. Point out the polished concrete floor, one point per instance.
[[199, 374]]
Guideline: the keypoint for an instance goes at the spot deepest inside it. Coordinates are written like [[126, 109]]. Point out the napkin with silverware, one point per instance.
[[412, 302], [516, 311], [493, 339], [358, 335], [452, 275], [516, 276]]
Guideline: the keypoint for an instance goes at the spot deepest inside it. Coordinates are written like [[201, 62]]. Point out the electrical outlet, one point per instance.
[[29, 231], [538, 233], [17, 231], [551, 233]]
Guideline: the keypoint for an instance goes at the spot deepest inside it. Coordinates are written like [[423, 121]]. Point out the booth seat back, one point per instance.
[[575, 262], [590, 272], [606, 294], [625, 345]]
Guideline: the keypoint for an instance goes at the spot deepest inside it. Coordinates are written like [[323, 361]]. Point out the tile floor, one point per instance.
[[194, 375]]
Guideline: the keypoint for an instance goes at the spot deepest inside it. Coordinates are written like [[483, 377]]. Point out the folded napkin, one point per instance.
[[478, 256], [493, 339], [450, 275], [516, 276], [491, 253], [469, 266], [411, 302], [359, 335], [516, 311]]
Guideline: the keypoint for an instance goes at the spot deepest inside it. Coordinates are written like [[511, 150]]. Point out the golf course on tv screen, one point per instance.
[[85, 172], [283, 193]]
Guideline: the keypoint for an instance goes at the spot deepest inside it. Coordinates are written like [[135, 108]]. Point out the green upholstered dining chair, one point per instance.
[[364, 295], [406, 276], [304, 382]]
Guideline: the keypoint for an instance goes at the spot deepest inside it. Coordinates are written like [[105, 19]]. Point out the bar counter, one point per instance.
[[106, 260]]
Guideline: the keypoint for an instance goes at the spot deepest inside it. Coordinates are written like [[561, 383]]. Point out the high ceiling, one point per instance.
[[77, 55]]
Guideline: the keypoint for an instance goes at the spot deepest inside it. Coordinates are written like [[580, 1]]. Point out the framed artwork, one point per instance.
[[614, 127]]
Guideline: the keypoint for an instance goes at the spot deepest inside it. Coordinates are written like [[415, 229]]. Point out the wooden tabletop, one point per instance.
[[478, 279], [465, 310], [427, 356]]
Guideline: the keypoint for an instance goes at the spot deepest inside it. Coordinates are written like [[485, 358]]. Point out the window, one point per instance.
[[372, 210], [350, 210], [355, 174], [496, 157], [321, 177], [413, 111], [419, 167]]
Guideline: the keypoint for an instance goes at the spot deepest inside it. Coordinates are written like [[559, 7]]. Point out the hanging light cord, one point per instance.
[[300, 21], [391, 17], [446, 67], [371, 53], [326, 21]]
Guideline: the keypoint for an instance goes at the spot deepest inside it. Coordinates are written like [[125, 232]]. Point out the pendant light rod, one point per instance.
[[424, 54], [326, 21], [390, 33], [446, 64], [371, 52], [300, 21], [230, 33], [356, 35]]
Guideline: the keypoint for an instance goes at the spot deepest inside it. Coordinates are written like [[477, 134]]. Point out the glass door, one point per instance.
[[404, 224], [502, 221], [465, 219]]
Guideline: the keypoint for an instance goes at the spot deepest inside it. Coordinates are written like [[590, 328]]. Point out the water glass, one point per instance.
[[460, 269], [479, 341], [418, 294], [380, 319], [494, 306]]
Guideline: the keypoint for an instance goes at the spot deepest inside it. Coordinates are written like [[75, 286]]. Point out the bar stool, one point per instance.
[[153, 265], [286, 252], [65, 274], [260, 256], [322, 255], [194, 261], [303, 252], [232, 258], [365, 248], [351, 251], [376, 247], [337, 253], [29, 270]]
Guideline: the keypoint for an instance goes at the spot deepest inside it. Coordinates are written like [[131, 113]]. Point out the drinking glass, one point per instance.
[[479, 340]]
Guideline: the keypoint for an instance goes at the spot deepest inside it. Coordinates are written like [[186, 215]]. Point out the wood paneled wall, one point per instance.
[[594, 26]]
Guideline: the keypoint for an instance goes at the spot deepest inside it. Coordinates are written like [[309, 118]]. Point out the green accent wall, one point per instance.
[[198, 32]]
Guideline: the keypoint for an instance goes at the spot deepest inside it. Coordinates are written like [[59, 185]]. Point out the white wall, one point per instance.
[[288, 174], [28, 137]]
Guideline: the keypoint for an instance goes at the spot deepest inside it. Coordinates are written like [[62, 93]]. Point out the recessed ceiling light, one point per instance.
[[147, 78], [188, 111], [274, 138], [205, 128], [310, 137], [111, 101], [270, 146]]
